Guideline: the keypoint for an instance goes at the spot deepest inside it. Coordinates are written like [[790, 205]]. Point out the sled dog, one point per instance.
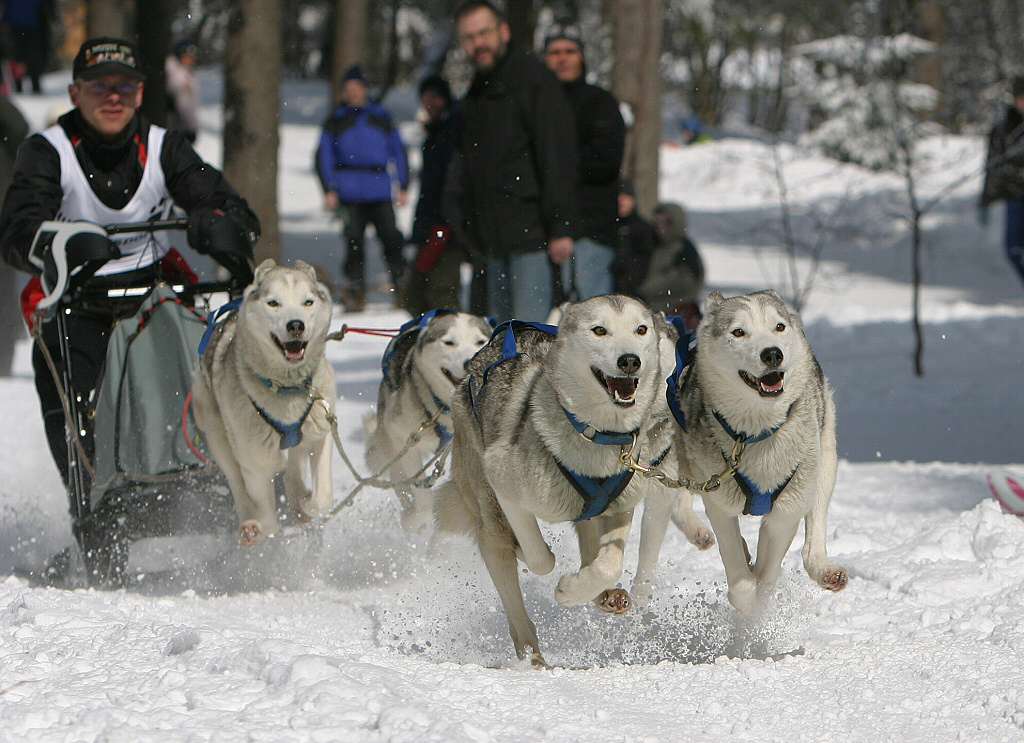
[[251, 397], [753, 387], [539, 425], [421, 368]]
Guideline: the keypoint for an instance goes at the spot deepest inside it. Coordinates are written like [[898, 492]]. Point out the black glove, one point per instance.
[[217, 234], [85, 253]]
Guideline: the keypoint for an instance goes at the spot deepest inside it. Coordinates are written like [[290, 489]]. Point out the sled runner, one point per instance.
[[148, 477]]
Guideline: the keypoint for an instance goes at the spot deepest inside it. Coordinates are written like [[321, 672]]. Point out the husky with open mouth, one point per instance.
[[754, 388], [540, 425], [421, 367], [251, 397]]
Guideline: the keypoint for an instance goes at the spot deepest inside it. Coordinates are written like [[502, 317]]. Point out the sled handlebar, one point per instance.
[[156, 225]]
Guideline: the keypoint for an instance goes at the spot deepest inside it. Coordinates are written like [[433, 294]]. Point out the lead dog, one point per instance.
[[540, 422], [251, 397], [421, 367], [754, 386]]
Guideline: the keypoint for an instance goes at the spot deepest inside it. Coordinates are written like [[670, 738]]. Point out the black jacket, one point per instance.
[[115, 172], [633, 248], [437, 153], [1004, 171], [601, 138], [519, 159]]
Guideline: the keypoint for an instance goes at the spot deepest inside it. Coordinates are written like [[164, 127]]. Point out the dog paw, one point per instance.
[[702, 538], [614, 601], [250, 533], [743, 597], [834, 579]]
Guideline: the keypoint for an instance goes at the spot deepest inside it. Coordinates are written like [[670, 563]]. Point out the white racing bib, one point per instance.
[[150, 201]]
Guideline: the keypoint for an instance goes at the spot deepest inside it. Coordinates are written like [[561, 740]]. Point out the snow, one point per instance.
[[370, 635]]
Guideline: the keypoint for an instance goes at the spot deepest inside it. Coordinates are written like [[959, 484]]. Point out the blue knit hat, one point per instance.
[[355, 72]]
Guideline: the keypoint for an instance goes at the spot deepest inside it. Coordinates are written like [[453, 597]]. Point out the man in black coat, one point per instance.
[[1004, 175], [601, 139], [518, 166]]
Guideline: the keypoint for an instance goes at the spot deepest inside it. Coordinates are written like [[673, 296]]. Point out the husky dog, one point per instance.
[[421, 368], [539, 427], [251, 397], [755, 388]]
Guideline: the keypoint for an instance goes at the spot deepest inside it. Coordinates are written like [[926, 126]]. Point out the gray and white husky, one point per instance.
[[755, 381], [422, 367], [539, 428], [251, 399]]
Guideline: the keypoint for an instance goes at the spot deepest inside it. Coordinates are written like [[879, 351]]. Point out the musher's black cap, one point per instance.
[[106, 55]]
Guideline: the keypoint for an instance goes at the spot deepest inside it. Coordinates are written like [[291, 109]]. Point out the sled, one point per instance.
[[149, 478]]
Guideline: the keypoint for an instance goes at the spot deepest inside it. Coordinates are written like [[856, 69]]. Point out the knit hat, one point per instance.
[[567, 33], [437, 85], [355, 72], [106, 55]]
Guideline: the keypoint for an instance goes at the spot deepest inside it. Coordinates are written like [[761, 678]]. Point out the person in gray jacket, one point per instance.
[[675, 277]]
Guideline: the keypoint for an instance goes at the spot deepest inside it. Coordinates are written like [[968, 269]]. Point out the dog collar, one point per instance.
[[282, 389], [750, 438], [587, 431]]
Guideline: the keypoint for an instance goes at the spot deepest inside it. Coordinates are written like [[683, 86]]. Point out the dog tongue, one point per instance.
[[622, 387], [294, 349], [771, 382]]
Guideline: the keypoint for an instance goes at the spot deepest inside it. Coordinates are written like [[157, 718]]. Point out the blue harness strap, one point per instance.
[[597, 492], [759, 502], [508, 351], [291, 433], [213, 318], [686, 343]]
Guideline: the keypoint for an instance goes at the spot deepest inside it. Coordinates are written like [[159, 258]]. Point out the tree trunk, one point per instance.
[[252, 70], [522, 21], [106, 18], [153, 29], [637, 31], [350, 23]]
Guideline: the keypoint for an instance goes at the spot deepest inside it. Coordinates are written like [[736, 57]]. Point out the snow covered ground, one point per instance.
[[370, 636]]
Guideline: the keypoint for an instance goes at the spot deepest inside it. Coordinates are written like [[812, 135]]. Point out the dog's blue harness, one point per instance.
[[214, 317], [597, 493], [290, 433], [758, 501]]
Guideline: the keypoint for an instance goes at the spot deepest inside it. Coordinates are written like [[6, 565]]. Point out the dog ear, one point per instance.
[[262, 269], [301, 265], [714, 299]]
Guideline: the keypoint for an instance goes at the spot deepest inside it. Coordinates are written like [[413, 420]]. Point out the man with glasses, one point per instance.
[[516, 156], [103, 163]]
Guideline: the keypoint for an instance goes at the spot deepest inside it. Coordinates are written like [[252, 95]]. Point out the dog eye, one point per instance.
[[738, 333], [273, 303], [780, 327], [449, 343], [642, 330], [481, 343], [308, 303], [599, 331]]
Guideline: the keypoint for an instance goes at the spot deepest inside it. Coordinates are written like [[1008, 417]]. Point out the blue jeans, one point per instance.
[[520, 286], [1015, 234], [589, 271]]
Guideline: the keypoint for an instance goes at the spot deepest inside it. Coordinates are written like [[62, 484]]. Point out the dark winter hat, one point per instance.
[[185, 47], [566, 33], [106, 55], [437, 85], [626, 186], [355, 72]]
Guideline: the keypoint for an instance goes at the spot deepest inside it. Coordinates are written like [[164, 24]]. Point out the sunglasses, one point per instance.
[[124, 89]]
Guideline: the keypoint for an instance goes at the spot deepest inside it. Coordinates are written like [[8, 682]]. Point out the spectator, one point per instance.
[[120, 169], [358, 143], [183, 90], [675, 276], [517, 157], [634, 244], [601, 139], [1004, 175], [434, 281], [27, 23], [13, 129]]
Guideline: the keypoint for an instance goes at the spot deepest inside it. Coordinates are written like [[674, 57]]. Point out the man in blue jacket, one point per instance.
[[358, 143]]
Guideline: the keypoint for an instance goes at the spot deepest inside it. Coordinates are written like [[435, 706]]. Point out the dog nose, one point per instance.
[[629, 363], [772, 357], [295, 327]]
